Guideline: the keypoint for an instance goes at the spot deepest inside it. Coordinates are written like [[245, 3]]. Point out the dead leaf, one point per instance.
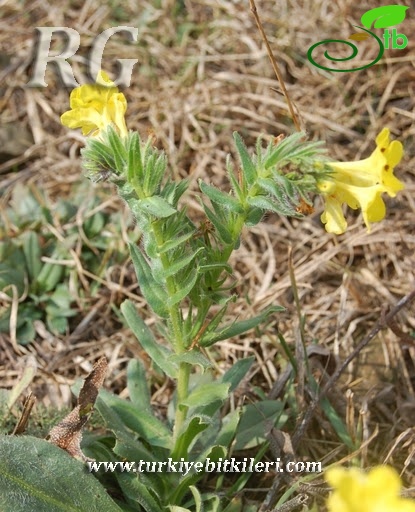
[[68, 433]]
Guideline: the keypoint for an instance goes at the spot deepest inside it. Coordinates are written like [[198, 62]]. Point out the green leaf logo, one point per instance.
[[385, 16]]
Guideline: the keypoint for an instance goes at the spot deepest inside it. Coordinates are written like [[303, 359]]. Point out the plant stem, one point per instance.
[[182, 392], [176, 323]]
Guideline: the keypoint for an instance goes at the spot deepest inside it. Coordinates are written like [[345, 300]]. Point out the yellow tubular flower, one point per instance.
[[376, 491], [361, 184], [95, 107]]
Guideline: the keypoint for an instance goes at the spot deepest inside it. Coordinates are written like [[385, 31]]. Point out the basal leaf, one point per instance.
[[37, 476], [256, 420]]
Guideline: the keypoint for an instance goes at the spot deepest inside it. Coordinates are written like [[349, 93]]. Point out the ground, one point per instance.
[[202, 73]]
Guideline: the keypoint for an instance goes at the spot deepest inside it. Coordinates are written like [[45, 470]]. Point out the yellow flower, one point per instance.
[[95, 107], [376, 491], [361, 184]]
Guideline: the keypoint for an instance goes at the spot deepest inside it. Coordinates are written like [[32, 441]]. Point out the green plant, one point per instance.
[[184, 274], [38, 258]]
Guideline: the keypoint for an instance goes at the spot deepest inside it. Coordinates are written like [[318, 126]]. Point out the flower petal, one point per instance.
[[356, 491], [95, 107], [333, 217], [360, 184]]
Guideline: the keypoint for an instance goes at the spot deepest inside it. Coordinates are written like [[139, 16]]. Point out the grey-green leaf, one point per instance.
[[237, 328], [32, 252], [219, 197], [150, 428], [38, 476], [207, 393], [137, 385], [193, 357], [193, 428], [158, 353], [256, 421], [237, 372], [156, 206], [248, 167], [152, 291], [184, 290]]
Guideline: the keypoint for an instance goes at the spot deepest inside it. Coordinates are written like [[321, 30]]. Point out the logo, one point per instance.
[[381, 17]]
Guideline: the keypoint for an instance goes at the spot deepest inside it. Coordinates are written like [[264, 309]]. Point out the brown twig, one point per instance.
[[380, 324], [293, 504], [24, 418], [275, 65]]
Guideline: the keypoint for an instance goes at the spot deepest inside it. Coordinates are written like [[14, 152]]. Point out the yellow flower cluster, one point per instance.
[[95, 107], [361, 184], [376, 491]]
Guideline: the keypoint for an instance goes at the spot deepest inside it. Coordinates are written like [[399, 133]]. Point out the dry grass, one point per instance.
[[202, 73]]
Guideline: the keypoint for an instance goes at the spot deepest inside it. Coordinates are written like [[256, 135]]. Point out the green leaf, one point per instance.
[[248, 167], [135, 165], [96, 156], [338, 424], [279, 182], [269, 186], [220, 198], [155, 168], [156, 206], [151, 429], [137, 385], [207, 393], [158, 353], [256, 421], [222, 230], [213, 453], [175, 242], [138, 491], [282, 151], [384, 16], [178, 265], [192, 429], [132, 449], [152, 291], [25, 207], [24, 381], [126, 445], [56, 324], [185, 289], [32, 252], [237, 372], [37, 476], [50, 275], [11, 275], [237, 328], [216, 266], [238, 190], [254, 217], [193, 357], [266, 204], [118, 150], [26, 332], [197, 497], [229, 425]]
